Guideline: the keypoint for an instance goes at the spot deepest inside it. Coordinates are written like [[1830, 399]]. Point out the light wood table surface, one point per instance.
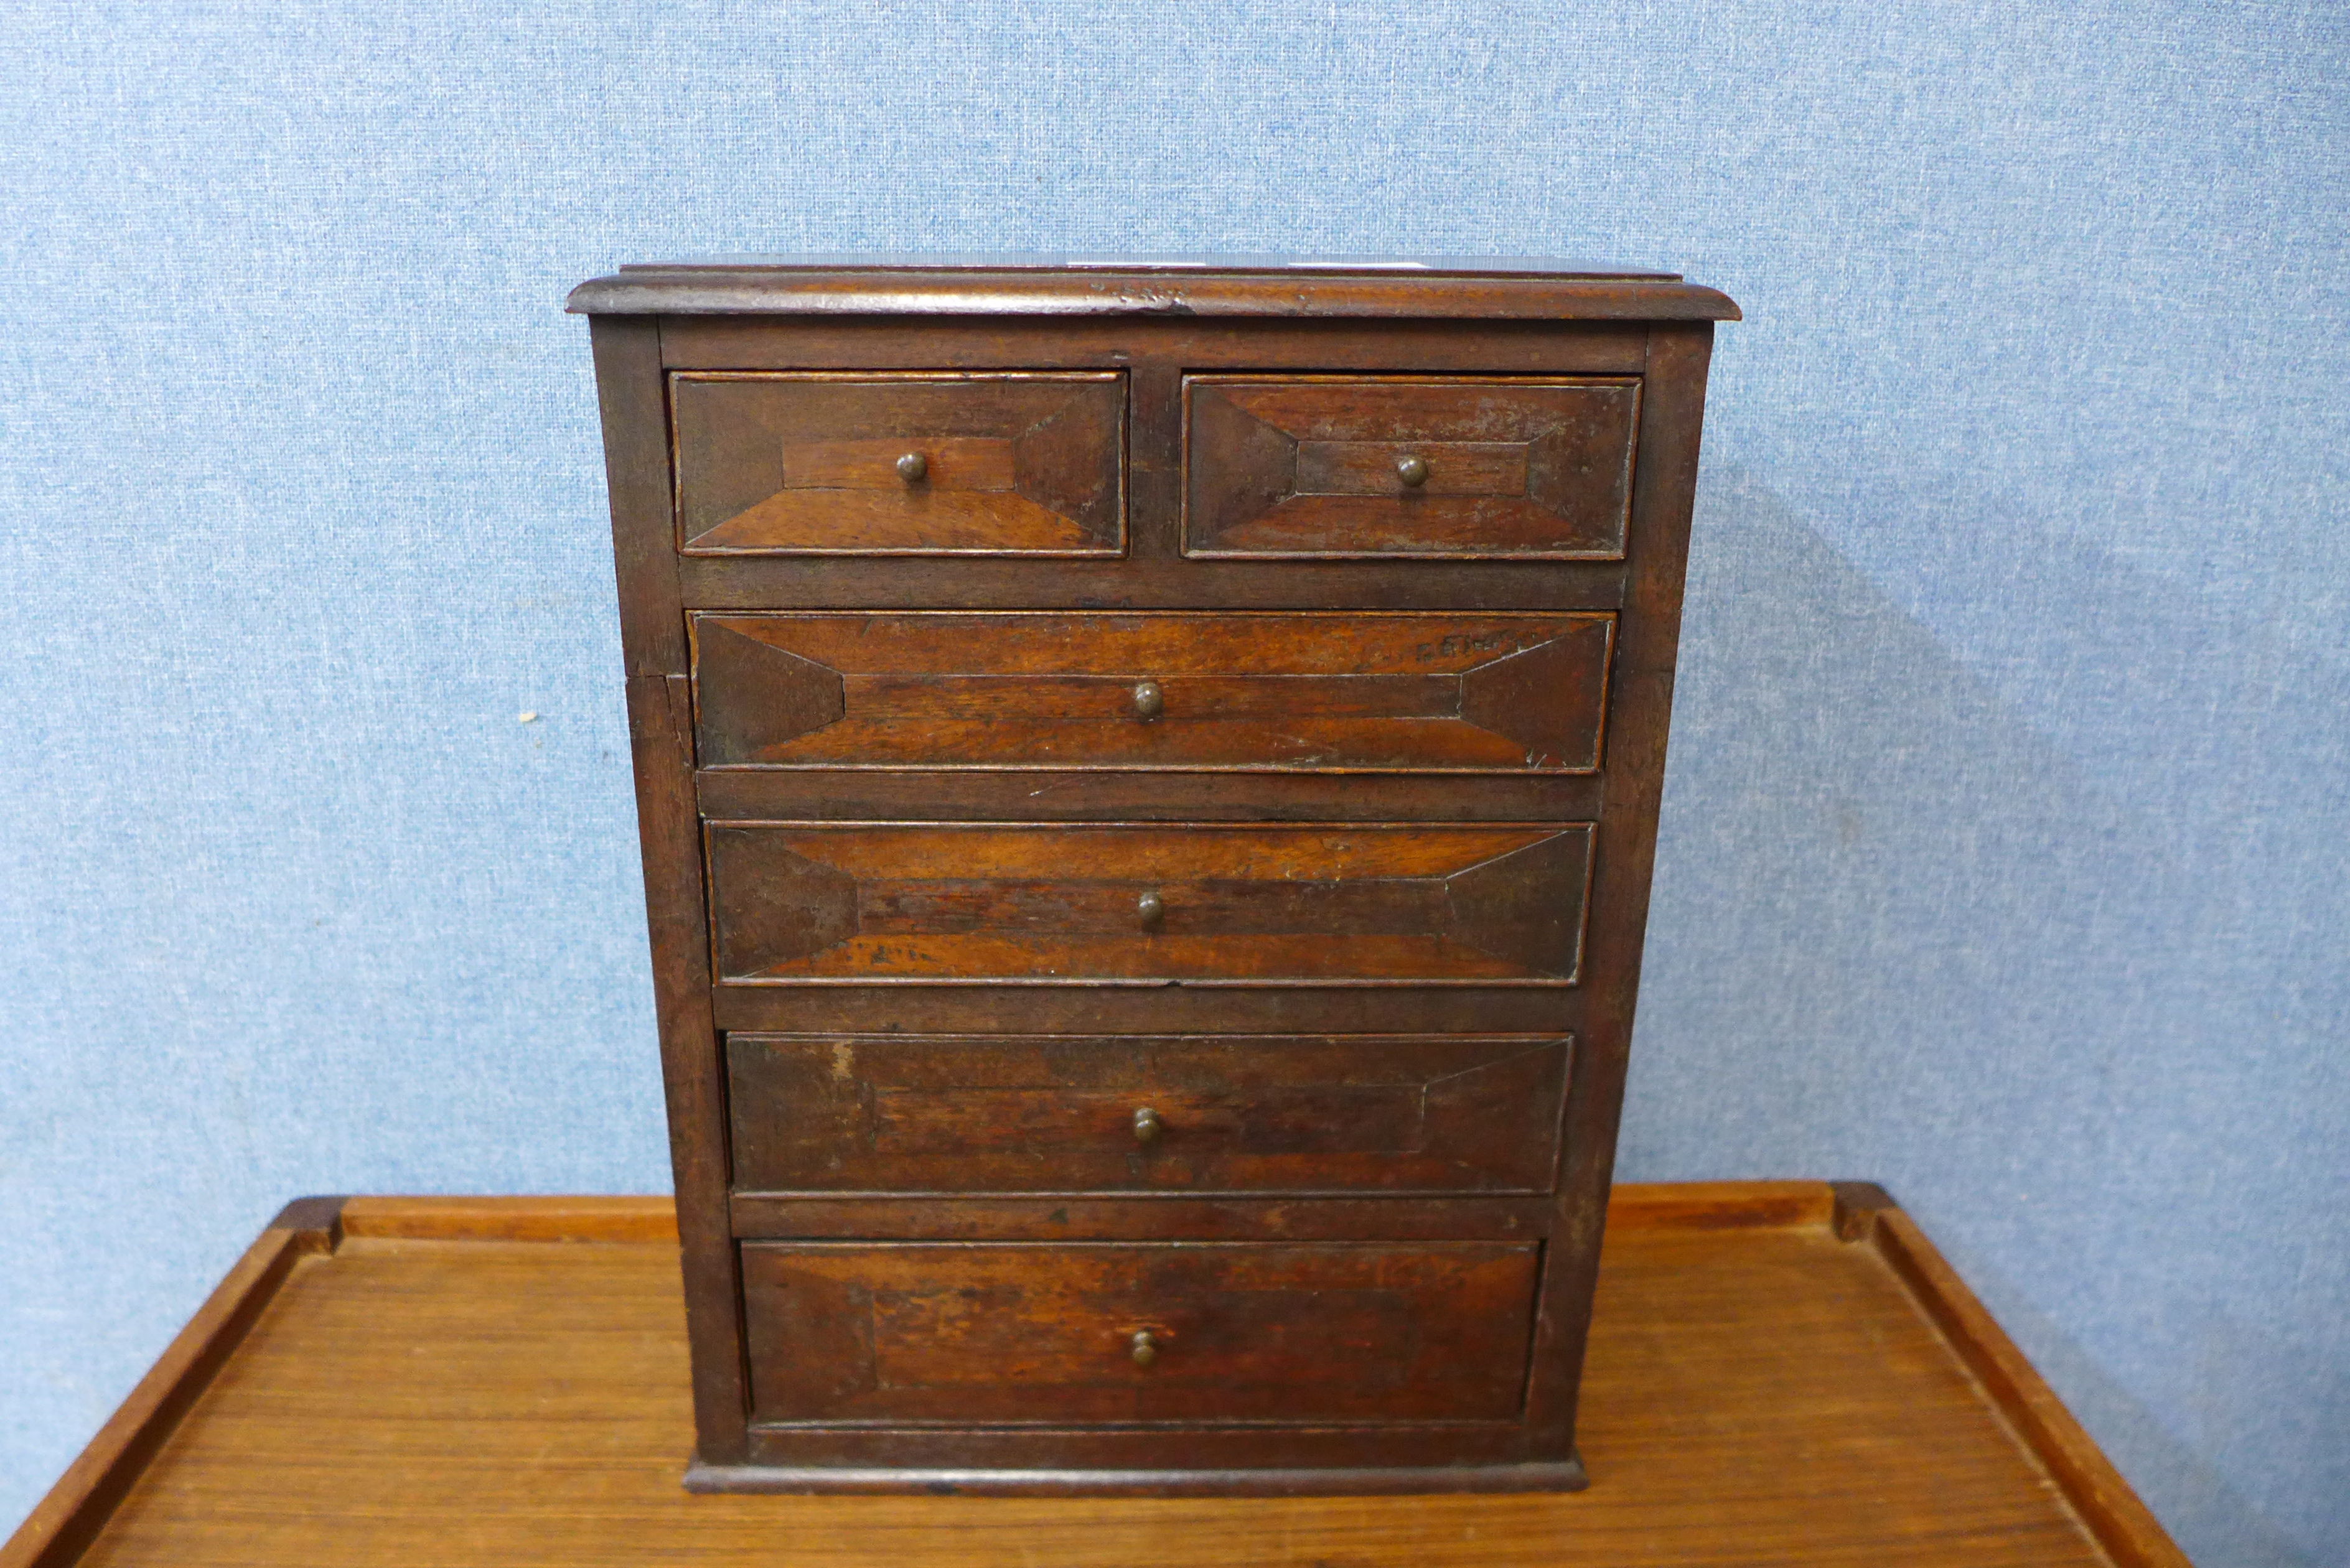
[[1779, 1373]]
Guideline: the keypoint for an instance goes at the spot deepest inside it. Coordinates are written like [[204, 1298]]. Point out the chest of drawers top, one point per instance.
[[1488, 288], [1148, 774], [1211, 412]]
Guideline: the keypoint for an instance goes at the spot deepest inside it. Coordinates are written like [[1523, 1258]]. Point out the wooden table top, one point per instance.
[[1779, 1373]]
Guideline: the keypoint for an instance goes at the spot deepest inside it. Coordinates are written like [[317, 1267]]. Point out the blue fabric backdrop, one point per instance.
[[2003, 850]]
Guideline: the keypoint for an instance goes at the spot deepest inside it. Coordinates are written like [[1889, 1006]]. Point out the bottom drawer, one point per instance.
[[994, 1333]]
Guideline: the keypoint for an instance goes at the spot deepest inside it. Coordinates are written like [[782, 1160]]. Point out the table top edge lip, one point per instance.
[[2102, 1503], [594, 1217]]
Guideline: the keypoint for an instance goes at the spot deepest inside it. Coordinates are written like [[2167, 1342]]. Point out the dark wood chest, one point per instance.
[[1148, 778]]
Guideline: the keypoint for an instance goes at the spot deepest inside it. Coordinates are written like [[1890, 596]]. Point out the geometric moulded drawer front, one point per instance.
[[794, 463], [1449, 692], [1080, 903], [1128, 1332], [1213, 1113], [1461, 467]]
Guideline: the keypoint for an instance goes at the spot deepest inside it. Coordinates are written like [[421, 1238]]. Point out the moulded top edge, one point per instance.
[[1496, 287]]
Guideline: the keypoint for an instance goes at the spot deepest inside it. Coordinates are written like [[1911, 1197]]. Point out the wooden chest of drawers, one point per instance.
[[1147, 777]]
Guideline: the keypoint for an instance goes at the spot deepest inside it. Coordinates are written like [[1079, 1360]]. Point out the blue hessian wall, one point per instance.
[[2003, 850]]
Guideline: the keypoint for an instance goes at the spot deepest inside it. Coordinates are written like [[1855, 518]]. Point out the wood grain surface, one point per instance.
[[637, 471], [1010, 463], [814, 903], [1457, 692], [1190, 1114], [1761, 1391], [1308, 466], [961, 854], [975, 1334]]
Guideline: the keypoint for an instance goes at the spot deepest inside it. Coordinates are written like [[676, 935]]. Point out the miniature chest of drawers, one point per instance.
[[1147, 777]]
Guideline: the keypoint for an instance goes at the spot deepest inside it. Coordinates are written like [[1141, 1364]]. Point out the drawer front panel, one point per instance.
[[901, 464], [797, 903], [1456, 691], [1459, 467], [995, 1114], [1237, 1332]]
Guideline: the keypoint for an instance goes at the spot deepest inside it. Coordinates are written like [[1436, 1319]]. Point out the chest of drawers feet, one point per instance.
[[1147, 777]]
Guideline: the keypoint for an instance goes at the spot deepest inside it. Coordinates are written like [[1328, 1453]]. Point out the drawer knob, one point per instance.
[[913, 468], [1150, 701], [1412, 471], [1146, 1348], [1147, 1126], [1150, 911]]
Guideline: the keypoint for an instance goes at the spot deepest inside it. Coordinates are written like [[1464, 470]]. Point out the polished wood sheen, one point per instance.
[[1506, 693], [1148, 775], [1192, 1114], [899, 464], [1067, 904], [1779, 1375]]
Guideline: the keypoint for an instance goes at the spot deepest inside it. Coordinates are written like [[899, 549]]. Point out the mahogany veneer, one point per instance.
[[1147, 779]]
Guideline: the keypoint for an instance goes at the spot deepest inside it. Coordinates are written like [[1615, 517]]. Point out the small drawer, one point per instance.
[[1080, 903], [879, 464], [999, 1114], [1288, 692], [1457, 467], [995, 1332]]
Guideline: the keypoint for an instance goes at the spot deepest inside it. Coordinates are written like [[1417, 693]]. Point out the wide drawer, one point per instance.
[[1236, 1332], [1299, 691], [970, 1113], [1466, 467], [1068, 903], [805, 463]]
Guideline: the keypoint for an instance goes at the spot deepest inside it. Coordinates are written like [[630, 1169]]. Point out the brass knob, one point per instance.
[[1147, 1126], [1412, 471], [1146, 1349], [913, 468], [1151, 909], [1150, 701]]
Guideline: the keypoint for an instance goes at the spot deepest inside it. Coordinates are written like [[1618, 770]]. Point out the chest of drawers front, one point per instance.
[[1147, 797]]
